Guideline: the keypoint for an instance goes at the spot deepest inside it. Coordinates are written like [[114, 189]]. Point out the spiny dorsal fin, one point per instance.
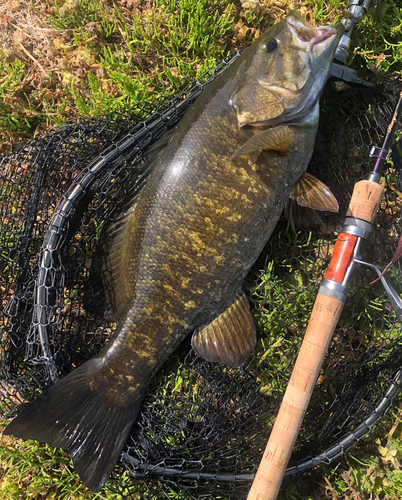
[[312, 193], [155, 149], [113, 280], [278, 139], [114, 238], [230, 337]]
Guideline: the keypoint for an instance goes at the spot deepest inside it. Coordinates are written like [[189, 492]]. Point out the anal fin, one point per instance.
[[230, 337]]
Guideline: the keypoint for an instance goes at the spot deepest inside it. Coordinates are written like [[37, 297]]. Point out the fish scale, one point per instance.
[[178, 257]]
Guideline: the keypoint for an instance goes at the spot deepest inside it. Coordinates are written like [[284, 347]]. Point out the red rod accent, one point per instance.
[[341, 257]]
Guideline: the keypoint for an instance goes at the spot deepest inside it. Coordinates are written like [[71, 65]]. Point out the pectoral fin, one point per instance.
[[230, 337], [278, 139], [311, 193]]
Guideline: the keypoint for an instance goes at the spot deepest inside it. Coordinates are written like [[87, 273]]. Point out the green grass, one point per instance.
[[13, 117], [30, 470], [378, 40], [151, 55], [102, 57], [109, 60]]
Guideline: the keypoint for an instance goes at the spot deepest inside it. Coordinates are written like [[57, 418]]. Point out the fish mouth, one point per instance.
[[322, 34], [309, 36], [269, 99], [290, 92]]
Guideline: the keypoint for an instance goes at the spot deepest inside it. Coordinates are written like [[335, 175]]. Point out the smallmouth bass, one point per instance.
[[211, 198]]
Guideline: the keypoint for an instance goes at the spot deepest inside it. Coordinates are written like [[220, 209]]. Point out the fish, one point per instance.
[[212, 192]]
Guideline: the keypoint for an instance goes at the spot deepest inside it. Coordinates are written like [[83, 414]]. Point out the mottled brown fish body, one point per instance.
[[207, 220], [180, 254]]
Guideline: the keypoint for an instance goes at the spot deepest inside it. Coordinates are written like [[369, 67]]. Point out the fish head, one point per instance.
[[286, 70]]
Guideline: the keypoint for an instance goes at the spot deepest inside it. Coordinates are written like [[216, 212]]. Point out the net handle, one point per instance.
[[324, 318]]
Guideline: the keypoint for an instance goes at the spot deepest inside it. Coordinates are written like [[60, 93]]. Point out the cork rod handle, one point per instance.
[[324, 318], [366, 199], [323, 321]]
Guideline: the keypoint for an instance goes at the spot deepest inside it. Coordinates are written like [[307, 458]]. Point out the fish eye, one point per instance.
[[269, 45]]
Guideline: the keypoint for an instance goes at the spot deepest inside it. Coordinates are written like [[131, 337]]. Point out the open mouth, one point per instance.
[[323, 34], [289, 92]]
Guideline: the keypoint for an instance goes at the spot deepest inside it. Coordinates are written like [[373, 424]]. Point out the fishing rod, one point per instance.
[[328, 306], [356, 11]]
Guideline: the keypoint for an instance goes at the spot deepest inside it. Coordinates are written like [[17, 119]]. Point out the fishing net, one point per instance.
[[203, 426]]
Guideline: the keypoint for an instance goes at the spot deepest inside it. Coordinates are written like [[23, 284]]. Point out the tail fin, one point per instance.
[[71, 416]]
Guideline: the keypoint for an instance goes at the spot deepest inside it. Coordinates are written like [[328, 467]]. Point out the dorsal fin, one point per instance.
[[115, 290], [113, 239]]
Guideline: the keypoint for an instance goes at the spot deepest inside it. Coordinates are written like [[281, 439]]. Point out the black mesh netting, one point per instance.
[[203, 426]]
